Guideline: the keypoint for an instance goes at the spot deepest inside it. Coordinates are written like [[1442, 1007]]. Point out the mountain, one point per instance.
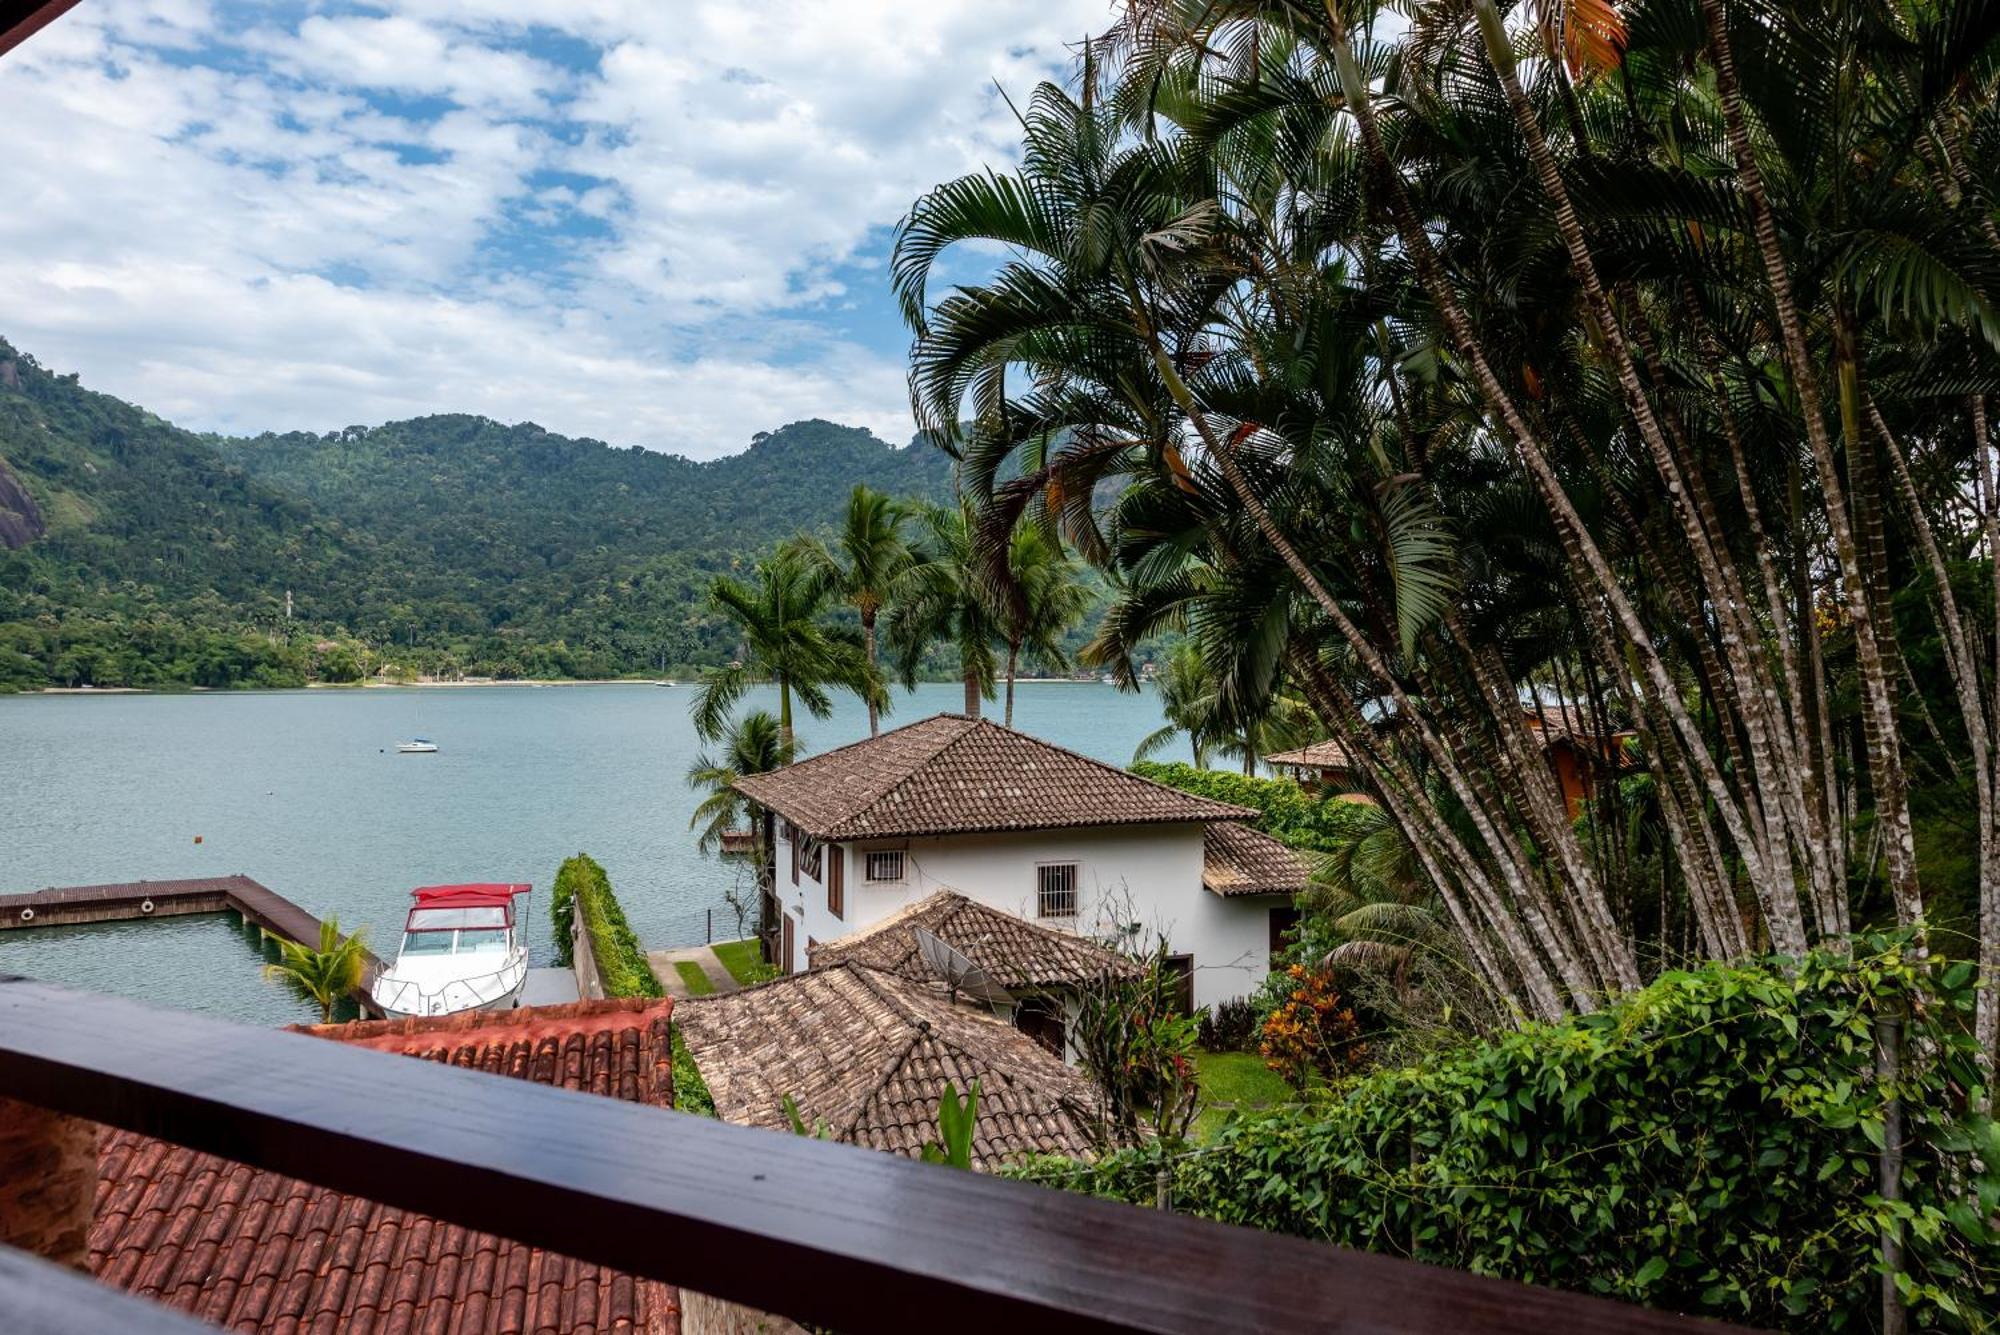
[[134, 552]]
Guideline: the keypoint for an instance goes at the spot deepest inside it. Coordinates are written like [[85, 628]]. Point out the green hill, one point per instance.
[[135, 553]]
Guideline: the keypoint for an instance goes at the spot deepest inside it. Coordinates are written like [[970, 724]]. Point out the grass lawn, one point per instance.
[[1234, 1080], [744, 962], [696, 978]]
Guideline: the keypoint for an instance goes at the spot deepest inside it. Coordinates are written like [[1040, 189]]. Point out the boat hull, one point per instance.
[[428, 1005]]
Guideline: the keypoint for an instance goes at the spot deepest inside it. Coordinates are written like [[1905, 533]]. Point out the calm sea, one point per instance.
[[305, 792]]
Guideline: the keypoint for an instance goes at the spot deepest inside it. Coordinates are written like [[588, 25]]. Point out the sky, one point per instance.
[[658, 222]]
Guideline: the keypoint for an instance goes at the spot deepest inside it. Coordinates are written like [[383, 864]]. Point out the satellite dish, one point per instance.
[[960, 974]]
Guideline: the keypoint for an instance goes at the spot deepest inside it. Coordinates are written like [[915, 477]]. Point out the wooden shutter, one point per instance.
[[792, 838], [836, 880], [788, 943]]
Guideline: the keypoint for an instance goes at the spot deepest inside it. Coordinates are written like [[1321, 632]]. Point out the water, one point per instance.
[[304, 791]]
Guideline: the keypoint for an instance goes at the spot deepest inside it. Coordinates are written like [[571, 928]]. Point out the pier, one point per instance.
[[62, 906]]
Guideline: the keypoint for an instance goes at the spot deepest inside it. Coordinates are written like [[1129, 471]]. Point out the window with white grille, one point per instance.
[[885, 865], [1055, 890]]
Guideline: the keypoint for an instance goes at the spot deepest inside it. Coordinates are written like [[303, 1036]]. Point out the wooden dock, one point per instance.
[[130, 900]]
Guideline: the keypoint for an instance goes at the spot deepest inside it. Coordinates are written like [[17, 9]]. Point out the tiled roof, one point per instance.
[[257, 1251], [956, 775], [1237, 860], [1329, 754], [1014, 952], [869, 1053]]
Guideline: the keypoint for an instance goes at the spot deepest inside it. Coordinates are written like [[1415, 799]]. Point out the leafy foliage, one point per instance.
[[956, 1120], [1228, 1026], [1290, 813], [1313, 1035], [320, 976], [620, 959], [1708, 1144]]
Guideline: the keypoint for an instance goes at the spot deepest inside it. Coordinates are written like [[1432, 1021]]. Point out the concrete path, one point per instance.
[[663, 962], [549, 987]]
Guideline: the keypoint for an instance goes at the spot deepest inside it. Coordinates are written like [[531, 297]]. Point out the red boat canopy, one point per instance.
[[485, 894]]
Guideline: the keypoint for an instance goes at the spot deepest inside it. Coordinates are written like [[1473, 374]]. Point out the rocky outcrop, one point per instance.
[[20, 518]]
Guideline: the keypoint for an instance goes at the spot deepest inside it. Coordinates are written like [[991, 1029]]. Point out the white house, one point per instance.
[[1034, 830]]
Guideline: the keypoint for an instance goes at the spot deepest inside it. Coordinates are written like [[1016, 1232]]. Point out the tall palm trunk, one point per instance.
[[868, 644], [1013, 659], [1880, 734], [785, 709], [972, 692]]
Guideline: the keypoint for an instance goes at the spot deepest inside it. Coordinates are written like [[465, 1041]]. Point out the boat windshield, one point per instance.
[[440, 919], [482, 940], [427, 943]]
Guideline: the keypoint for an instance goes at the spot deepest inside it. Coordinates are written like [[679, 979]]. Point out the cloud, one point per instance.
[[657, 225]]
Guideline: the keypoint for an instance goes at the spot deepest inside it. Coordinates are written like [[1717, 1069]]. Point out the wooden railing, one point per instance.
[[825, 1233]]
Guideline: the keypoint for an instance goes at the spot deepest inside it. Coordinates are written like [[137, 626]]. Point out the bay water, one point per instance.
[[305, 792]]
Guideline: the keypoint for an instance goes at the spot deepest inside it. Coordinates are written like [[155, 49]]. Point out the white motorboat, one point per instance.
[[463, 949], [417, 746]]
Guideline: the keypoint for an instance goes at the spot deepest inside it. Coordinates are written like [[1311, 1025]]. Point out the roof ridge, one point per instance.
[[1110, 768], [859, 742]]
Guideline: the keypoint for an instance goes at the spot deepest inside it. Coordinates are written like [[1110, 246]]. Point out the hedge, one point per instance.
[[621, 961], [1290, 812], [1707, 1145]]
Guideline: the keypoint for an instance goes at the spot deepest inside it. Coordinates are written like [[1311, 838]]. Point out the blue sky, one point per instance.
[[660, 224]]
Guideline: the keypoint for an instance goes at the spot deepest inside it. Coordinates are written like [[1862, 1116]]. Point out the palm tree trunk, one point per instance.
[[1013, 659], [972, 692], [1881, 737], [868, 643], [785, 710]]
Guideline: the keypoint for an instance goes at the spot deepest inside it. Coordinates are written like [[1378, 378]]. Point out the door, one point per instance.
[[1181, 969], [786, 945], [1041, 1019]]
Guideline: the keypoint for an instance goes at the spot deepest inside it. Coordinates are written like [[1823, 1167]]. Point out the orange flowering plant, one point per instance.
[[1313, 1033]]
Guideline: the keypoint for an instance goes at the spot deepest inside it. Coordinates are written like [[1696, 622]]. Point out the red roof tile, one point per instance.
[[956, 775], [257, 1251]]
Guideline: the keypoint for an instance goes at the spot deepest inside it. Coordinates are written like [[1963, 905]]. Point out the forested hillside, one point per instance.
[[137, 553]]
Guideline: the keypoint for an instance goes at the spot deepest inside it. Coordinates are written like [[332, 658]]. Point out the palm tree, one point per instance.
[[780, 617], [1043, 600], [752, 744], [945, 597], [1188, 700], [321, 977], [864, 563]]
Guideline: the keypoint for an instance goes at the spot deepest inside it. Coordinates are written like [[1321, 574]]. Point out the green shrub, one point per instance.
[[1290, 812], [1708, 1145], [620, 959]]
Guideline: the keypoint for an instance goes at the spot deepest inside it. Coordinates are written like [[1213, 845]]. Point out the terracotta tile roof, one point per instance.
[[868, 1053], [256, 1251], [1237, 860], [1329, 754], [1015, 953], [956, 775]]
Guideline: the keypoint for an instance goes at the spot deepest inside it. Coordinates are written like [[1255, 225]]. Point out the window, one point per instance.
[[885, 866], [426, 943], [479, 939], [811, 857], [1055, 890]]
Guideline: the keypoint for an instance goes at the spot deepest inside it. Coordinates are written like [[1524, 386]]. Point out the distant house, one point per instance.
[[1042, 970], [1016, 824], [254, 1250], [1327, 767], [867, 1053]]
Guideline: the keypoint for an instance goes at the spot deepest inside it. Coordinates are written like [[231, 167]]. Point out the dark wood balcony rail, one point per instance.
[[22, 19], [824, 1233], [39, 1297]]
